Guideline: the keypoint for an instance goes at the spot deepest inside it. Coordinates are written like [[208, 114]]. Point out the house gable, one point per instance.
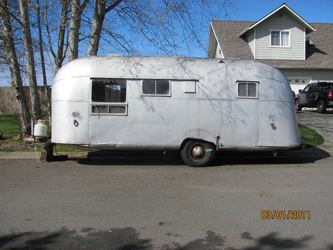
[[281, 21], [242, 39], [286, 9]]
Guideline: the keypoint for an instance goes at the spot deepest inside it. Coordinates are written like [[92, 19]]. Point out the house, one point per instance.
[[302, 51]]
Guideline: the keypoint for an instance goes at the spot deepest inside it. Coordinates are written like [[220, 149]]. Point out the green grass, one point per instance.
[[9, 128], [309, 136], [9, 125]]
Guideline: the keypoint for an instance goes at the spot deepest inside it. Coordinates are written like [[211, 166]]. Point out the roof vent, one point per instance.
[[309, 41]]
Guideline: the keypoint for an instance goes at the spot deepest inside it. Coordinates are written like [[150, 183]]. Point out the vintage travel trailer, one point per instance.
[[195, 105]]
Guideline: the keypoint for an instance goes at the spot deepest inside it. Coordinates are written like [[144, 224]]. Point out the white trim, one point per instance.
[[255, 43], [304, 42], [217, 41]]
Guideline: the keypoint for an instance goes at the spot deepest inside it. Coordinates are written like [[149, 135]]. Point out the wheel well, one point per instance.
[[182, 145]]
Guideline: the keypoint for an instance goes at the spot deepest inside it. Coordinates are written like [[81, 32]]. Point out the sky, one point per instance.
[[320, 11]]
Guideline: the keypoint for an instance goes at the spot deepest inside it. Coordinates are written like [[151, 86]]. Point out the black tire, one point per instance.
[[321, 106], [198, 153], [298, 106]]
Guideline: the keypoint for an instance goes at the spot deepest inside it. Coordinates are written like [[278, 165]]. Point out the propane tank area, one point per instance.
[[41, 140]]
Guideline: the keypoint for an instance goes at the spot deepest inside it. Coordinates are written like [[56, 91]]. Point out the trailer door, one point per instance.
[[108, 111], [246, 120]]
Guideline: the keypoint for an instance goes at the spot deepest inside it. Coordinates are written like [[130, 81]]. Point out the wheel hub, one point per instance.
[[198, 152]]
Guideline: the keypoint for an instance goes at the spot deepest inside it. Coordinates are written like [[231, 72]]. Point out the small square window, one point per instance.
[[156, 87], [280, 38], [248, 89]]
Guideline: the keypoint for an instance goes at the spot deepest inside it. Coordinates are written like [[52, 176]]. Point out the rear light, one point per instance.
[[330, 94]]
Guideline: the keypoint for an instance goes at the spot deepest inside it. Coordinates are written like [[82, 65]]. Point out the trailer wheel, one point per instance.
[[321, 106], [198, 153]]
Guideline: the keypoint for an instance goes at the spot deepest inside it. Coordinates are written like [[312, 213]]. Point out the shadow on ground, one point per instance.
[[307, 155], [128, 238]]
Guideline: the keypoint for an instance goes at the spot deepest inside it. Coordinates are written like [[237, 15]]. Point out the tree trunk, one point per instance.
[[14, 67], [100, 10], [30, 61], [41, 52], [96, 27], [60, 55], [74, 30], [61, 37]]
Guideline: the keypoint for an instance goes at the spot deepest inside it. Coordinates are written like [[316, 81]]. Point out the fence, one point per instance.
[[8, 103]]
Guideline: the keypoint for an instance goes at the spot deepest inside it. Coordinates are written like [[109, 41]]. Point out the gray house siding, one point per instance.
[[280, 21]]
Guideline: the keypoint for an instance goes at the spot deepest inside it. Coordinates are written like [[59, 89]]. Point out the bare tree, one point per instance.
[[11, 57], [58, 54], [167, 25], [110, 26], [100, 10], [30, 60], [77, 9], [42, 59]]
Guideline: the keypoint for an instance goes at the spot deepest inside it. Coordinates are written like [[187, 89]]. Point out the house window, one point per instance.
[[280, 38], [156, 87], [108, 97], [247, 89]]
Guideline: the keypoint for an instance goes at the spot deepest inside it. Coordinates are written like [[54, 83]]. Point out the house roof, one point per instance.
[[284, 6], [319, 55]]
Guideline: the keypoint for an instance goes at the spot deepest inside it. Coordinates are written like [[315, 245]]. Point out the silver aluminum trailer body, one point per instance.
[[196, 105]]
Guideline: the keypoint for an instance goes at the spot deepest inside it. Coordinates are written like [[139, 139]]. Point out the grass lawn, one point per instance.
[[9, 128], [309, 136], [9, 125]]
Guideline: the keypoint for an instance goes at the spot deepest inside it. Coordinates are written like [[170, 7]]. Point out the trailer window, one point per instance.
[[156, 87], [108, 97], [98, 109], [108, 90], [247, 89]]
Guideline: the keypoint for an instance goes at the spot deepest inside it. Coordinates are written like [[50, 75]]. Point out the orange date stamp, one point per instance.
[[285, 214]]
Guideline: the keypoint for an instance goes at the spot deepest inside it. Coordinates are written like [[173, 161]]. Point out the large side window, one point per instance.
[[108, 97], [105, 90], [156, 87], [248, 89]]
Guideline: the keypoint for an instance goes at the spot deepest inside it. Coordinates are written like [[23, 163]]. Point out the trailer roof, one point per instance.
[[146, 67]]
